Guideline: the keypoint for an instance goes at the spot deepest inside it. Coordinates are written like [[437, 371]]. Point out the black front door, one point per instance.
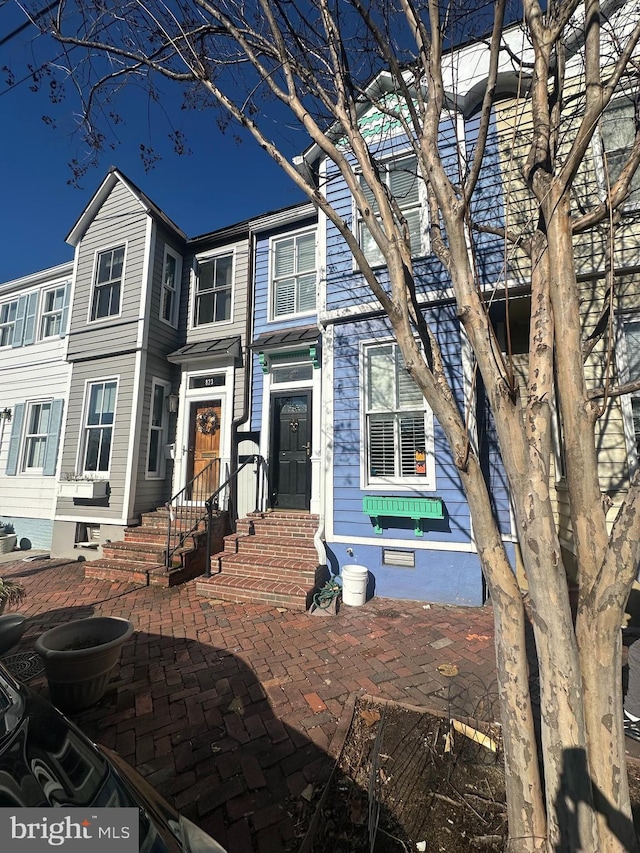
[[290, 452]]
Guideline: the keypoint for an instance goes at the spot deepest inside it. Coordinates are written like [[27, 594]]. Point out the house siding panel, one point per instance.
[[122, 368], [120, 220], [32, 373]]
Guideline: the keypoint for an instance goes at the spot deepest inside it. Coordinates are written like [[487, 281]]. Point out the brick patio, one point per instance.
[[232, 710]]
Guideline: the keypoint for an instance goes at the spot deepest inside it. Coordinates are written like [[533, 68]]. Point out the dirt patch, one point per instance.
[[402, 780], [403, 784]]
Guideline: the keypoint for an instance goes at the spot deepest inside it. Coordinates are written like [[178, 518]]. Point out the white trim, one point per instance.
[[327, 451], [80, 451], [271, 256], [396, 483], [110, 248], [40, 313], [175, 309], [162, 430], [133, 454], [43, 278], [113, 522], [144, 306], [402, 153], [202, 258], [622, 360], [435, 545], [225, 393], [28, 404]]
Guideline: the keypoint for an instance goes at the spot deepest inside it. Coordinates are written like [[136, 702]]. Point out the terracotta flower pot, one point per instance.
[[79, 658]]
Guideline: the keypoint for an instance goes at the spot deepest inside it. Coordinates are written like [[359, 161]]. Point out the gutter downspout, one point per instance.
[[248, 367], [319, 535]]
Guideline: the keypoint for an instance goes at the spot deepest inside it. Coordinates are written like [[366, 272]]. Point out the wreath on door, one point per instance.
[[207, 422]]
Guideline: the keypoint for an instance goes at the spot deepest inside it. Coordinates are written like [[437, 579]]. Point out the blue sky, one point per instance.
[[220, 183]]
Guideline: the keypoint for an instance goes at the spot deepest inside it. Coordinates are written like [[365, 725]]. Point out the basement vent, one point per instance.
[[396, 557]]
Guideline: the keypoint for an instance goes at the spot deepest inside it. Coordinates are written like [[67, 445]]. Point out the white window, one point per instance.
[[157, 423], [107, 287], [170, 287], [36, 436], [631, 373], [98, 428], [8, 312], [402, 179], [293, 275], [618, 130], [399, 426], [52, 309], [213, 290]]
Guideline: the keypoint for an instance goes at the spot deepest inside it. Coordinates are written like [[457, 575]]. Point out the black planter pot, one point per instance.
[[79, 658]]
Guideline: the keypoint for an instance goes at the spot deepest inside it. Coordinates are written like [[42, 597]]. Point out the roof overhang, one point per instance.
[[223, 349]]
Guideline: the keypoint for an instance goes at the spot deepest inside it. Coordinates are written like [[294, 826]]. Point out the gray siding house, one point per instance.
[[124, 321]]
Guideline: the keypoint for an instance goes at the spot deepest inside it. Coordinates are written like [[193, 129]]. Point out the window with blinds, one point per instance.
[[401, 176], [293, 275], [399, 426]]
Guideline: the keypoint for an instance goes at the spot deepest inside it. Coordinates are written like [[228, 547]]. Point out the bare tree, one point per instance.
[[566, 790]]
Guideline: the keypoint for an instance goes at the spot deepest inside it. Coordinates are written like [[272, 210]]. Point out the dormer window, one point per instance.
[[107, 286]]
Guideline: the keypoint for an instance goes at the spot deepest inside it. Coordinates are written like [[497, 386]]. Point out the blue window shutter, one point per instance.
[[65, 311], [51, 452], [14, 443], [18, 329], [29, 335]]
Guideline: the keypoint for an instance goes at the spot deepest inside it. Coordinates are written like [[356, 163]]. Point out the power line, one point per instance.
[[27, 23]]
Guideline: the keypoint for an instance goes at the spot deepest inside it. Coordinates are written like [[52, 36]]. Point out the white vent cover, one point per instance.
[[396, 557]]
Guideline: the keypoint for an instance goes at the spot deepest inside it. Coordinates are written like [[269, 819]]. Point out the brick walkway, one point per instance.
[[231, 711]]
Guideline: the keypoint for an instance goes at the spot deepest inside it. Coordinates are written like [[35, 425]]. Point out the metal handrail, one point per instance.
[[212, 501], [187, 509]]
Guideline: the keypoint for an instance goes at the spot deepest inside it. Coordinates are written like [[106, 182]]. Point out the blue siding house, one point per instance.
[[393, 498]]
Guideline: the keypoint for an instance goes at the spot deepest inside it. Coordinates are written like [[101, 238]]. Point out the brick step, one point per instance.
[[159, 529], [272, 546], [108, 570], [296, 571], [136, 552], [264, 527], [249, 589]]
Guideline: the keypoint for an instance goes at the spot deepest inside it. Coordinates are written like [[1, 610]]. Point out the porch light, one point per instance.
[[172, 403], [5, 414]]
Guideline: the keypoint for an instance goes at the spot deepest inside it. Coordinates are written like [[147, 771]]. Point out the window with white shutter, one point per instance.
[[399, 424], [293, 275]]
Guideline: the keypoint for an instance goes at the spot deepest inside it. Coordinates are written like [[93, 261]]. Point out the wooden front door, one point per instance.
[[291, 451], [204, 448]]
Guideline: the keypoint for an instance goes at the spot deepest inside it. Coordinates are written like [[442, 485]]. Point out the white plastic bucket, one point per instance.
[[354, 585]]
